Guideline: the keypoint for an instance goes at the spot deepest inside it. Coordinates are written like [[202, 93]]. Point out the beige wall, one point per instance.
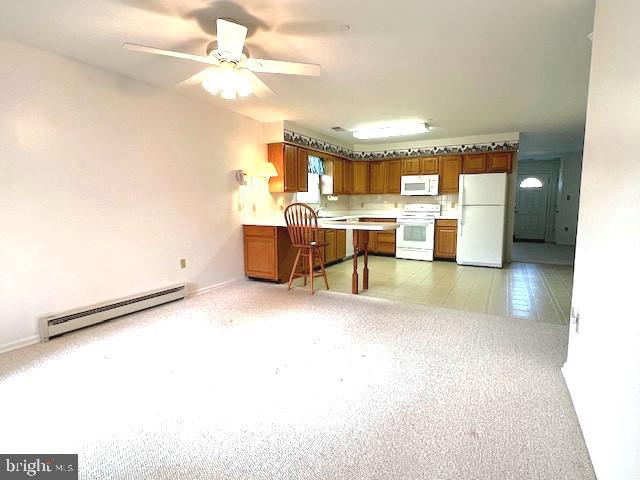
[[105, 183], [603, 367], [568, 199]]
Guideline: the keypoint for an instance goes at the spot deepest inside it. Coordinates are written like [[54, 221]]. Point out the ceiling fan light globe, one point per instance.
[[211, 85], [228, 93], [243, 86]]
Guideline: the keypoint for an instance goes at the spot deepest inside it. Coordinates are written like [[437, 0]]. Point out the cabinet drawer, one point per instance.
[[260, 231], [447, 223], [387, 237]]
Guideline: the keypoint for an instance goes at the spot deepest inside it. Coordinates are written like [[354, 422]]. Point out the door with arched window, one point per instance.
[[532, 205]]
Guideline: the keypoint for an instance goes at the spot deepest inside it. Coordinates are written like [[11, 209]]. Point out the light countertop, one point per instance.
[[329, 219]]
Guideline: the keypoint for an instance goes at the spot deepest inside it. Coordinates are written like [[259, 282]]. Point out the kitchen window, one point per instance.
[[312, 195]]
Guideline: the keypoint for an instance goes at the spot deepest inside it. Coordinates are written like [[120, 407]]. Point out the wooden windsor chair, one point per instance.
[[302, 224]]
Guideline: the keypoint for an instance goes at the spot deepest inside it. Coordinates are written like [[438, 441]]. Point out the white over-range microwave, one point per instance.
[[419, 185]]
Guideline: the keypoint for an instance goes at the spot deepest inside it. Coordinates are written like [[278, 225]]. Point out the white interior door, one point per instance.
[[532, 205]]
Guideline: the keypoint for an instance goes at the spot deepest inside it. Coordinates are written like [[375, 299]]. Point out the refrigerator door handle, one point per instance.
[[461, 222]]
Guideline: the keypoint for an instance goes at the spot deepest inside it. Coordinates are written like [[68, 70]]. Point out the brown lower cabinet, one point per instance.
[[446, 239], [382, 242], [269, 255]]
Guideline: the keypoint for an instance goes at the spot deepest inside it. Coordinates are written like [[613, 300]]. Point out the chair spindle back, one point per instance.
[[302, 224]]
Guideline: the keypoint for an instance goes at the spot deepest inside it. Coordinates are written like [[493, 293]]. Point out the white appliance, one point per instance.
[[414, 239], [419, 185], [482, 202]]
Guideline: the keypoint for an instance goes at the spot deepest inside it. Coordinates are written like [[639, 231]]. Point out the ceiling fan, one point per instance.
[[230, 70]]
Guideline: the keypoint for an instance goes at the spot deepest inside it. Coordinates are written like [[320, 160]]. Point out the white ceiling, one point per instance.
[[468, 67]]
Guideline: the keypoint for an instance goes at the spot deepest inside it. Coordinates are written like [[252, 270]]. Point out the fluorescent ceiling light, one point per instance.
[[393, 130]]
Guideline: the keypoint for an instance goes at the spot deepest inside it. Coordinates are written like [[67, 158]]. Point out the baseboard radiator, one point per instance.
[[83, 317]]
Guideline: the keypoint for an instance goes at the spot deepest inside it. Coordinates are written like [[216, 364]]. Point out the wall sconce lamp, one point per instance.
[[266, 170]]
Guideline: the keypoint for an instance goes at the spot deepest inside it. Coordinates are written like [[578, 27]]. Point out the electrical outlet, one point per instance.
[[575, 319], [183, 263]]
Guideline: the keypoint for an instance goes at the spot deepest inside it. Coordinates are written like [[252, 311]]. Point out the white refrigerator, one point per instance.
[[482, 200]]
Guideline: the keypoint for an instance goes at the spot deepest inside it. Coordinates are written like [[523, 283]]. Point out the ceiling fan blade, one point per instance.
[[277, 66], [169, 53], [260, 89], [196, 79], [231, 37]]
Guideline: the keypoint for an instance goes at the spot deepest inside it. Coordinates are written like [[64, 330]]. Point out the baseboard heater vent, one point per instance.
[[83, 317]]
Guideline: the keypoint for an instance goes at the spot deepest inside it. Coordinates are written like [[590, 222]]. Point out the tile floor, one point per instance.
[[551, 253], [524, 290]]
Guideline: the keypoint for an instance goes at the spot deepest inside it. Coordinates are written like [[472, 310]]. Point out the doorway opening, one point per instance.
[[546, 211]]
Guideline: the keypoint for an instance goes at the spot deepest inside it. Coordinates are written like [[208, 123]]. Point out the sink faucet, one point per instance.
[[317, 210]]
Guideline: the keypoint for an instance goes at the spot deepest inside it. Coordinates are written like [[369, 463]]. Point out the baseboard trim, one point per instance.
[[33, 339], [216, 286], [22, 342]]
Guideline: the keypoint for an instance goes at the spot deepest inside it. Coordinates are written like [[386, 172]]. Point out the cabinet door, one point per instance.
[[450, 168], [377, 176], [476, 163], [338, 175], [290, 168], [386, 242], [347, 173], [360, 177], [429, 166], [330, 250], [260, 252], [500, 162], [302, 170], [446, 239], [411, 166], [394, 172], [341, 244], [323, 250]]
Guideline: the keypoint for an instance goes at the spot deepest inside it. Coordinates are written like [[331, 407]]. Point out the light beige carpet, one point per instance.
[[254, 382]]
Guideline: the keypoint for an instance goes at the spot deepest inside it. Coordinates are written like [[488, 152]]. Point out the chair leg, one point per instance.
[[311, 259], [324, 273], [295, 265], [305, 265]]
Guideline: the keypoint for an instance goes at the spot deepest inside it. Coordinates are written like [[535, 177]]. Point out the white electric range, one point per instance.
[[416, 233]]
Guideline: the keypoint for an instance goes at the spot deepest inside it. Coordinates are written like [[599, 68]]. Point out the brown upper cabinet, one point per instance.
[[302, 166], [393, 174], [360, 177], [377, 177], [487, 163], [347, 174], [338, 175], [420, 166], [429, 166], [291, 164], [500, 162], [411, 166], [476, 163], [450, 169]]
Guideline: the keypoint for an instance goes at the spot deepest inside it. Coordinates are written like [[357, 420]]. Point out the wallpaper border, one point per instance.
[[316, 144]]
